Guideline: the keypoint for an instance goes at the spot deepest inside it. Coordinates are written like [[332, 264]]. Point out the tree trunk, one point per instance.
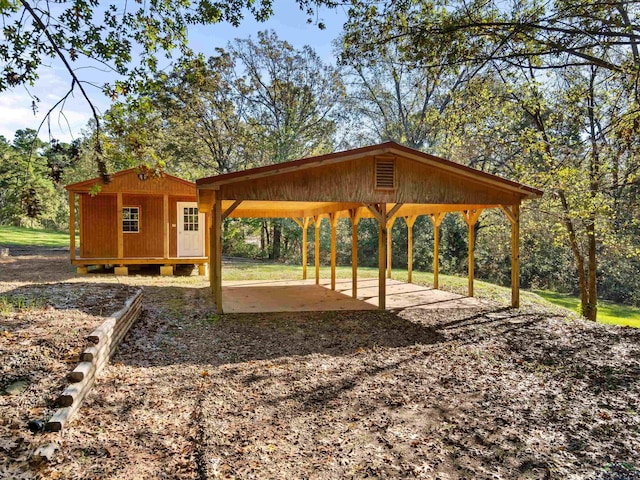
[[277, 236], [264, 237], [577, 254], [591, 310]]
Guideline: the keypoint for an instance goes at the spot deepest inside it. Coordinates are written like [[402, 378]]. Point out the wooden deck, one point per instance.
[[261, 296]]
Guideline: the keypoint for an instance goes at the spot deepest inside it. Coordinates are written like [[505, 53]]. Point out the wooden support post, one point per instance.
[[333, 221], [165, 230], [436, 219], [471, 217], [212, 249], [305, 227], [471, 270], [410, 221], [207, 244], [390, 244], [354, 214], [81, 233], [317, 221], [515, 258], [513, 215], [217, 253], [382, 256], [72, 225], [120, 234]]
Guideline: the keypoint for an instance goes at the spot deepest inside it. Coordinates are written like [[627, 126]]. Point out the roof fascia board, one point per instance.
[[85, 185], [287, 169], [475, 175]]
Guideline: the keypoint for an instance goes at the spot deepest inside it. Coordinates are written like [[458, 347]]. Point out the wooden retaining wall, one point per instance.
[[103, 343]]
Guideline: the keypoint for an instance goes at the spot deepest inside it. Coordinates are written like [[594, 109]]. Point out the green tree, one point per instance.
[[577, 125], [255, 103], [30, 172], [547, 35], [291, 97], [127, 39], [291, 103]]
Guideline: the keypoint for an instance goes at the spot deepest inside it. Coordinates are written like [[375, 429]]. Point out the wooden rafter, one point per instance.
[[374, 210], [508, 211], [230, 210], [471, 216], [391, 213]]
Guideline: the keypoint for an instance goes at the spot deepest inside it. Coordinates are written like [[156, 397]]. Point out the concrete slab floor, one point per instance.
[[261, 296]]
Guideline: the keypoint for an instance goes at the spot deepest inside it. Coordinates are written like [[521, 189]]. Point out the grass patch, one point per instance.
[[608, 312], [455, 284], [30, 237]]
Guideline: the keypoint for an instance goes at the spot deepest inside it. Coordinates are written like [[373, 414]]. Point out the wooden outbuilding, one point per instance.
[[137, 219], [386, 182]]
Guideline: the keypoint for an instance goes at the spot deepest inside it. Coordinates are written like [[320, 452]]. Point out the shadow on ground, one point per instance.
[[182, 320]]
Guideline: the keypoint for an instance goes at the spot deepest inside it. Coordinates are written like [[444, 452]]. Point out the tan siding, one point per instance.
[[354, 181], [98, 227], [129, 182], [148, 242]]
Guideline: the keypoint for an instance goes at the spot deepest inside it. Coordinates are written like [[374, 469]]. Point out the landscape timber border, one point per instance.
[[103, 341]]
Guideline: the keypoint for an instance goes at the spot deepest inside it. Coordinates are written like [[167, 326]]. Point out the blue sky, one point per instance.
[[15, 105]]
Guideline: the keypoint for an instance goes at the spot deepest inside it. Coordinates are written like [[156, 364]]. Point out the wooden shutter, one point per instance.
[[385, 174]]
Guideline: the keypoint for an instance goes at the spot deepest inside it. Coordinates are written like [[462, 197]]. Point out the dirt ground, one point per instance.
[[488, 393]]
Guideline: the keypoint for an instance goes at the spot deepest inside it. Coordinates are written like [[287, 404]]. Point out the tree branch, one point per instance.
[[102, 168]]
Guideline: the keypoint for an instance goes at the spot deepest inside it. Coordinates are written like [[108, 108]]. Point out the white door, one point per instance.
[[191, 225]]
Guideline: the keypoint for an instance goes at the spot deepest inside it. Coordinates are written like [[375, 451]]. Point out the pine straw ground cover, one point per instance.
[[450, 394]]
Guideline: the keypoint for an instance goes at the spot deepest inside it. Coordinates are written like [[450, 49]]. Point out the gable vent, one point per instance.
[[385, 174]]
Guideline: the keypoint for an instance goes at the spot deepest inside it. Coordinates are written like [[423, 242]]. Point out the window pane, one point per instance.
[[130, 219]]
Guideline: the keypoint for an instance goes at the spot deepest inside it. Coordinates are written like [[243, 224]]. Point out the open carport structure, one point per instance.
[[385, 182]]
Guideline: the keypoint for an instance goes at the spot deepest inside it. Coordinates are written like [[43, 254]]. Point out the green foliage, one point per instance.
[[110, 33], [19, 303], [30, 174], [255, 103], [290, 97], [543, 35], [553, 106], [239, 238]]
